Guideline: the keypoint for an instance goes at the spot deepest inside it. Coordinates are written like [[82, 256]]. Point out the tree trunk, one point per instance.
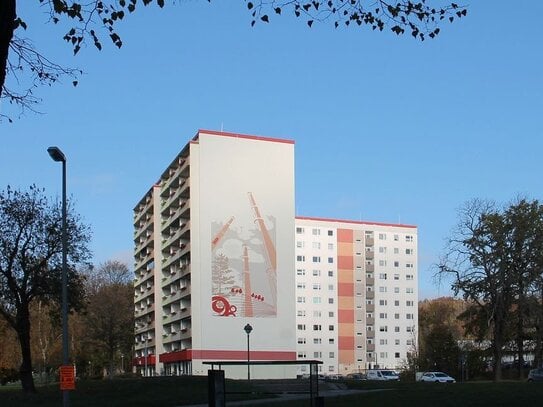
[[7, 26], [23, 332]]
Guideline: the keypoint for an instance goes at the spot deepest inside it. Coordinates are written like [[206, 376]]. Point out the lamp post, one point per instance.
[[58, 156], [248, 329]]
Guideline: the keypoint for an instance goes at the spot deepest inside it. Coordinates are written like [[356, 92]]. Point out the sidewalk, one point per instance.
[[290, 396]]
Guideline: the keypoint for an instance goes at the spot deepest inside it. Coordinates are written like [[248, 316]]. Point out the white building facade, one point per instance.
[[214, 251], [356, 294], [218, 246]]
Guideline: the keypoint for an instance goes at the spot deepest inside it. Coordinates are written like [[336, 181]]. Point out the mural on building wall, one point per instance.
[[244, 264]]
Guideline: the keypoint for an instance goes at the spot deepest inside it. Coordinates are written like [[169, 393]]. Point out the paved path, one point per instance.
[[290, 396]]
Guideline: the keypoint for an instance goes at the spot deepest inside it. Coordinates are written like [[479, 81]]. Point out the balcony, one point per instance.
[[370, 321], [370, 347], [370, 268], [369, 241], [369, 255], [370, 307], [370, 334], [370, 281], [167, 261], [370, 295], [143, 209]]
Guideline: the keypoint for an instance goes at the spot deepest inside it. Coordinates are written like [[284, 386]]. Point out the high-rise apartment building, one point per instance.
[[218, 246], [356, 294], [214, 250]]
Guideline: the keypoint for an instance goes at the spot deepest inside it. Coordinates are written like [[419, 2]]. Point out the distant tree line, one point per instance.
[[495, 259], [101, 320]]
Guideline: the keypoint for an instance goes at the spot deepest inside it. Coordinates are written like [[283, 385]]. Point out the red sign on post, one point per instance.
[[67, 377]]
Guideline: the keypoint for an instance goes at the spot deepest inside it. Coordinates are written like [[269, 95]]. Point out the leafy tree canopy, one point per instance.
[[93, 21]]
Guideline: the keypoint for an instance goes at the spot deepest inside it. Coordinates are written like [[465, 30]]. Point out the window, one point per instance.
[[316, 232], [316, 300], [396, 264], [316, 273], [383, 328], [316, 259], [300, 285], [301, 341], [317, 355], [382, 236], [331, 341], [301, 355], [331, 355], [383, 341], [382, 289], [300, 300], [383, 355], [330, 259], [382, 302], [330, 287], [409, 277], [330, 246], [409, 329], [369, 315], [317, 314], [409, 303], [316, 245], [301, 327], [396, 290], [330, 327], [409, 265], [382, 276], [382, 263], [300, 258], [396, 250], [382, 249], [409, 290], [397, 355], [330, 300], [396, 303], [396, 238], [316, 327], [396, 276], [396, 316], [408, 251], [330, 273], [396, 341], [317, 341], [409, 342], [409, 316], [330, 368], [330, 233], [383, 315], [299, 244], [331, 314], [299, 231], [408, 238], [301, 313], [316, 286], [396, 329], [300, 272]]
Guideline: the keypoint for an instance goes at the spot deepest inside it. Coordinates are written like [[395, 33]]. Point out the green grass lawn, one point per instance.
[[178, 391]]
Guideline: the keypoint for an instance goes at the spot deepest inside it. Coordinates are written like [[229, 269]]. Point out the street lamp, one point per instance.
[[58, 156], [248, 329]]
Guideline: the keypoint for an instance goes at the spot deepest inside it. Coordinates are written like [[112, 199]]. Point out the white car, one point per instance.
[[436, 377], [382, 375]]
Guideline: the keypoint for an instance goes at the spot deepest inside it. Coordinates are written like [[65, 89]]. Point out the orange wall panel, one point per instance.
[[345, 342], [346, 357], [345, 315], [345, 303], [345, 235], [345, 262], [345, 289]]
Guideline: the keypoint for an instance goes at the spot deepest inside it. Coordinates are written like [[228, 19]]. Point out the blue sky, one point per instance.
[[387, 128]]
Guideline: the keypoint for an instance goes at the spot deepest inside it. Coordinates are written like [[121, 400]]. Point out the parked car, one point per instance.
[[436, 377], [535, 375], [379, 374]]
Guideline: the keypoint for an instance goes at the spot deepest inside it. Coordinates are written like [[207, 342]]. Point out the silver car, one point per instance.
[[436, 377], [535, 375]]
